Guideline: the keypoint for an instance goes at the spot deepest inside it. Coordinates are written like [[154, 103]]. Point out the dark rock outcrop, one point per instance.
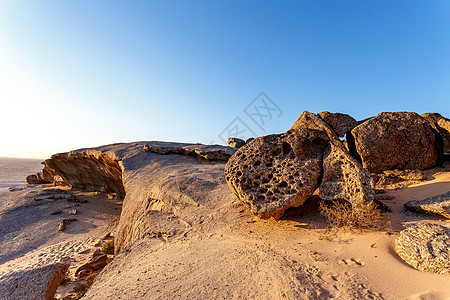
[[341, 123], [441, 125], [437, 205], [395, 140], [426, 247]]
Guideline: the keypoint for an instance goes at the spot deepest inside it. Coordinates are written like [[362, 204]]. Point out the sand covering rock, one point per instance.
[[426, 247]]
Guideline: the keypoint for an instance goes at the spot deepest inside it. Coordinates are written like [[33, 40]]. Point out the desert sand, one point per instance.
[[13, 171]]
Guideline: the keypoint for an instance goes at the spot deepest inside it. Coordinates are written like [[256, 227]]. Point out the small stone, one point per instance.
[[56, 212], [96, 263], [73, 211], [235, 142], [62, 225]]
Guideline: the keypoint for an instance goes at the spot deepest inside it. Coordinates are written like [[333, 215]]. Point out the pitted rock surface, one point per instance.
[[441, 125], [395, 140], [426, 247], [439, 205], [276, 172], [309, 120], [344, 178], [341, 123]]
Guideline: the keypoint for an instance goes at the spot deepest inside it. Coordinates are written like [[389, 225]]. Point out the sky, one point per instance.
[[76, 74]]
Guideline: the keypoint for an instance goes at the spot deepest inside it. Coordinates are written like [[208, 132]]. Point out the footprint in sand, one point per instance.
[[352, 262]]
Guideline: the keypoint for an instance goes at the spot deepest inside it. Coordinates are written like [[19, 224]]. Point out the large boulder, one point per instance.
[[276, 172], [426, 247], [395, 140], [441, 125], [341, 123]]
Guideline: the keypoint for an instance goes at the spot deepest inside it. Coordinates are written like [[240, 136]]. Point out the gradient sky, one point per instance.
[[75, 74]]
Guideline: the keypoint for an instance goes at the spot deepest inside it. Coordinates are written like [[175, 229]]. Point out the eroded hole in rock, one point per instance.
[[283, 184], [286, 148]]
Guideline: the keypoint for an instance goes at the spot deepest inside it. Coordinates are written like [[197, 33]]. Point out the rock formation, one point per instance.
[[38, 283], [341, 123], [89, 169], [437, 205], [395, 140], [208, 152], [235, 142], [425, 247], [276, 172], [442, 126]]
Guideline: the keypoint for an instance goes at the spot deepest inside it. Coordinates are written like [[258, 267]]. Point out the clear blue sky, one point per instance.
[[75, 74]]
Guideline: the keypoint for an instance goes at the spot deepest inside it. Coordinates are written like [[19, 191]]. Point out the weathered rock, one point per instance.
[[276, 172], [36, 179], [58, 211], [309, 120], [442, 126], [344, 178], [73, 211], [341, 123], [208, 152], [38, 283], [249, 140], [437, 205], [62, 225], [395, 140], [235, 142], [96, 263], [89, 169], [426, 247], [411, 175]]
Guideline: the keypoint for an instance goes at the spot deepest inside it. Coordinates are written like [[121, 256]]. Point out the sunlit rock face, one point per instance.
[[395, 140], [276, 172]]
